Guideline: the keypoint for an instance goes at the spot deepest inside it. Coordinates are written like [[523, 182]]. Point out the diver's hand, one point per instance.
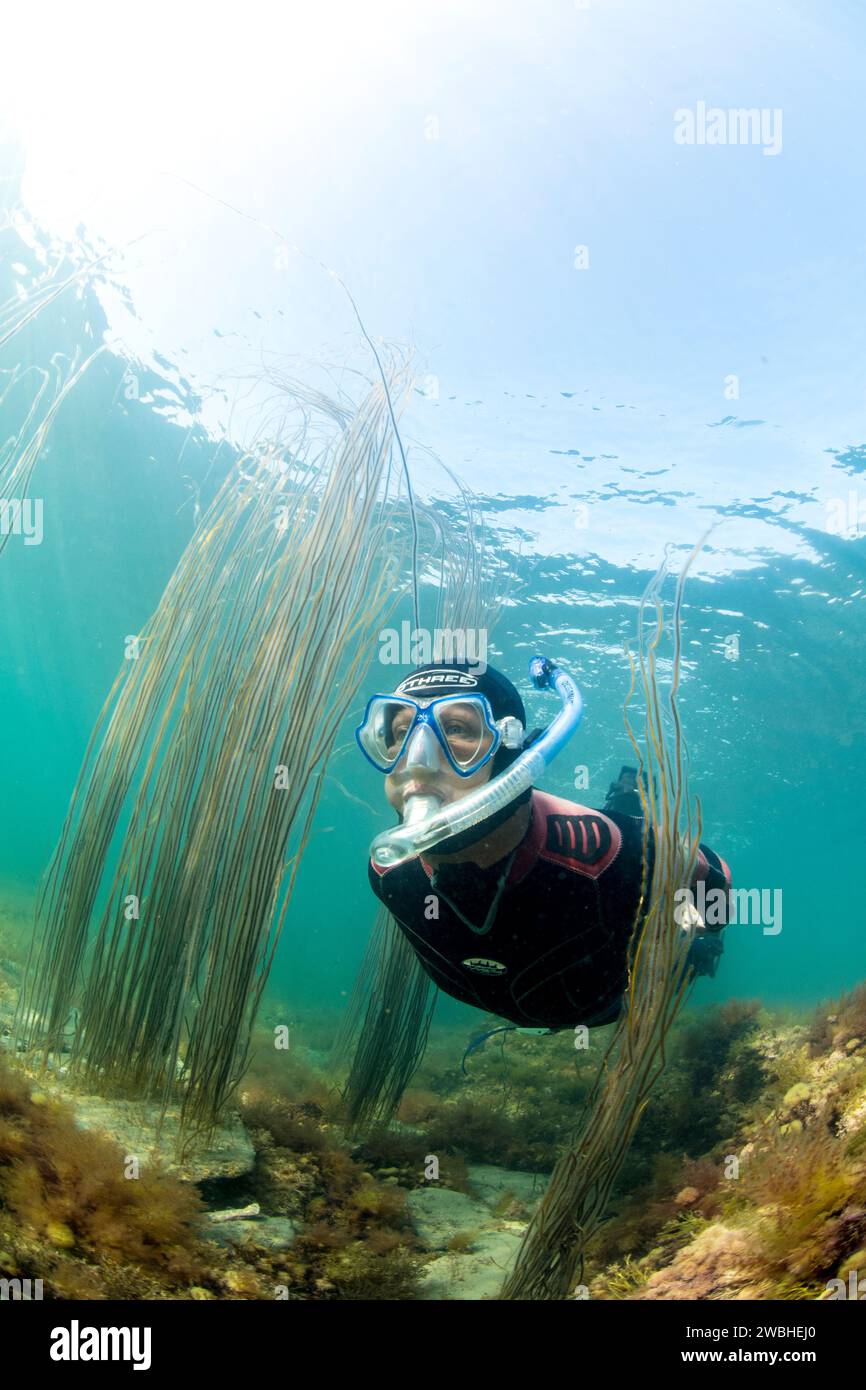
[[705, 947], [690, 920]]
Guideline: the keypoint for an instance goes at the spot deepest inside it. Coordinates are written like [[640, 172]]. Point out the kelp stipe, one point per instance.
[[388, 1023], [31, 394], [163, 904], [551, 1256], [384, 1034]]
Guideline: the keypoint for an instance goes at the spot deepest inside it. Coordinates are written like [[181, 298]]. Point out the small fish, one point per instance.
[[479, 1040]]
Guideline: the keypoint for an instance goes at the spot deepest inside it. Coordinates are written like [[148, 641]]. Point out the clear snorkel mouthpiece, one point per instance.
[[419, 808], [420, 831]]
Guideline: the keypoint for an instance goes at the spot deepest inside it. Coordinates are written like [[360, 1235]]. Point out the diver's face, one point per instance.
[[423, 770]]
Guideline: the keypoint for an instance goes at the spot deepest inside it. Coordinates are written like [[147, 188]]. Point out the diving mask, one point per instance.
[[462, 727]]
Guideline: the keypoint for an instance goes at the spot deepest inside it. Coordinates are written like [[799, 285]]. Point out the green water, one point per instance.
[[775, 736]]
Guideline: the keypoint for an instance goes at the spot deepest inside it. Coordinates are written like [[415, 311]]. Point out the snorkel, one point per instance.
[[426, 821]]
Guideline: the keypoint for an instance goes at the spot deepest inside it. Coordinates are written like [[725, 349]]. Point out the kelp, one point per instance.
[[163, 904], [551, 1254], [19, 310], [31, 395], [384, 1035], [42, 392], [387, 1025]]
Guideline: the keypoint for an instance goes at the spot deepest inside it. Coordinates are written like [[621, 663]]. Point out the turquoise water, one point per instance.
[[775, 735], [704, 368]]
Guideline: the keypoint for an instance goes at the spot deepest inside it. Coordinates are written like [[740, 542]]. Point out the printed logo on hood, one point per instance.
[[483, 966], [433, 680]]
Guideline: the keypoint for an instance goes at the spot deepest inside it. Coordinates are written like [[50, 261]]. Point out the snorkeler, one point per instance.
[[528, 912]]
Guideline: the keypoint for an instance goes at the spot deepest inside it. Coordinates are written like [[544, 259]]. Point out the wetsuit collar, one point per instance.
[[526, 853]]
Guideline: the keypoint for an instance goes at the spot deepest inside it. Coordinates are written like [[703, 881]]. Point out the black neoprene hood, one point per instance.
[[458, 677]]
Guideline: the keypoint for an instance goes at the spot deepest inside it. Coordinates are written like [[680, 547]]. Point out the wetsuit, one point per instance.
[[551, 949]]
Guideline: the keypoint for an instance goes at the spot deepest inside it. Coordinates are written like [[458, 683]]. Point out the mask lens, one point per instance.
[[385, 730], [464, 726]]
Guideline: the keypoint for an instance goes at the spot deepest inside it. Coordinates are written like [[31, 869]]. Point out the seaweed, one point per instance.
[[809, 1194], [356, 1242], [71, 1214], [788, 1215], [217, 735], [835, 1025]]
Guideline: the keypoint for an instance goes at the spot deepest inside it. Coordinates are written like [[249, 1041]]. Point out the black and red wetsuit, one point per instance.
[[555, 952]]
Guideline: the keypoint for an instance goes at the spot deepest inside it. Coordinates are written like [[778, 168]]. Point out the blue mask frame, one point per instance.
[[424, 715]]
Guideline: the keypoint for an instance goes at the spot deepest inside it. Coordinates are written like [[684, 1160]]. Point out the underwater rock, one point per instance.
[[854, 1119], [8, 998], [284, 1181], [492, 1184], [8, 1004], [439, 1214], [444, 1219], [271, 1232], [718, 1264], [227, 1153], [796, 1094], [479, 1273]]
